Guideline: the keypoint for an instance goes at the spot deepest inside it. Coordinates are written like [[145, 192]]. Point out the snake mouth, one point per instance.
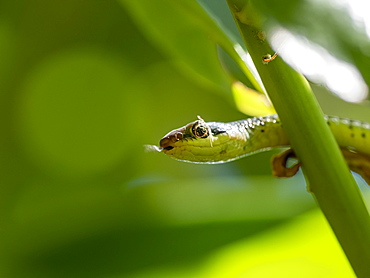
[[168, 148]]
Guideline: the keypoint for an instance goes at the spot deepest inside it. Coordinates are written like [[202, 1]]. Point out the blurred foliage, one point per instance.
[[83, 86], [331, 23]]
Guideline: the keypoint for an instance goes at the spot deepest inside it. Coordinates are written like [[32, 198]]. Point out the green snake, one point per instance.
[[217, 142]]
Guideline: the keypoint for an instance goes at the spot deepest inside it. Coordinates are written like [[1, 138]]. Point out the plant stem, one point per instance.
[[326, 172]]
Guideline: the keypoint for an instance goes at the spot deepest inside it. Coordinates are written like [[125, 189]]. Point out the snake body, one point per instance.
[[217, 142]]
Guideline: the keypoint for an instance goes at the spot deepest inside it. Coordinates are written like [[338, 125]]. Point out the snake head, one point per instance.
[[196, 142], [193, 130], [172, 141]]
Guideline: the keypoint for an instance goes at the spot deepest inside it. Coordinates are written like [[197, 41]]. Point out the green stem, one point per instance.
[[328, 176]]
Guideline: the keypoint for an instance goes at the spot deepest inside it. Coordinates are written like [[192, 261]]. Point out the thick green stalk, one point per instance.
[[328, 176]]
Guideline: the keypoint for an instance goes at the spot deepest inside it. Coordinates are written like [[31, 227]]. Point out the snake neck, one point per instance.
[[262, 133]]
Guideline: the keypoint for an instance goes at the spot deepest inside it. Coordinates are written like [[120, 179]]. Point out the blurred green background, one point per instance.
[[83, 86]]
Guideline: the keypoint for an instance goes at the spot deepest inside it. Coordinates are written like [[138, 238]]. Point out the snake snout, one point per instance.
[[168, 140]]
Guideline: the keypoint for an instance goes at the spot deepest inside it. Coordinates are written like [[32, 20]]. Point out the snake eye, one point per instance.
[[200, 131]]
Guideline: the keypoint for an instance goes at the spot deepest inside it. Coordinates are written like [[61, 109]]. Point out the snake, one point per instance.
[[218, 142]]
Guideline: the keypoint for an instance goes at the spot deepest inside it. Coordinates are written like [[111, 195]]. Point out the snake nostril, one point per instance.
[[177, 136]]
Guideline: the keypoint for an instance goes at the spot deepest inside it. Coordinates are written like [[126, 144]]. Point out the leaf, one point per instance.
[[251, 102], [188, 35]]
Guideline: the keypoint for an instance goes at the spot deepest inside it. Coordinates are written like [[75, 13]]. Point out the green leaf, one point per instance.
[[188, 35], [251, 102]]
